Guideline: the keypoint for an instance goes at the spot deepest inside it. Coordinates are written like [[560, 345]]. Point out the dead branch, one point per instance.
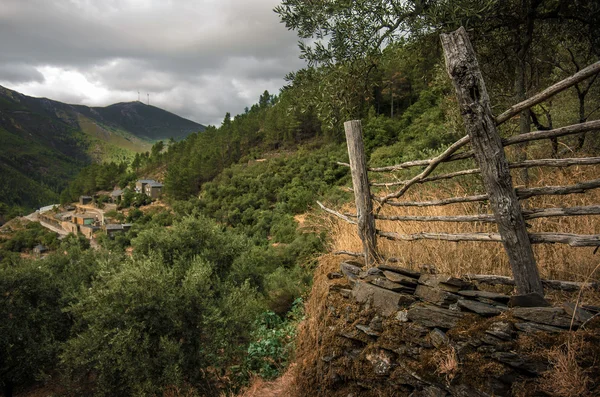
[[549, 92]]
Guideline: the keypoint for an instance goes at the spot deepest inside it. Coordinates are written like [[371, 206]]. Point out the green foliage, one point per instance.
[[33, 325], [273, 343], [32, 235]]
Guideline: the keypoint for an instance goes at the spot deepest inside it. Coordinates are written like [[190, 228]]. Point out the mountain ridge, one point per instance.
[[44, 143]]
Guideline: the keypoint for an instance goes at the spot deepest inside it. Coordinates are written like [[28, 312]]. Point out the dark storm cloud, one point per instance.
[[197, 58], [19, 73]]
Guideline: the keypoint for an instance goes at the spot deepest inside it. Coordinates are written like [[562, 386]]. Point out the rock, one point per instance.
[[533, 327], [334, 275], [400, 270], [518, 361], [411, 351], [349, 270], [381, 361], [491, 340], [353, 353], [429, 391], [354, 263], [346, 293], [356, 335], [445, 282], [367, 330], [376, 324], [435, 296], [373, 271], [554, 316], [433, 316], [528, 300], [386, 302], [400, 278], [466, 391], [387, 284], [328, 359], [438, 338], [484, 295], [502, 330], [429, 269], [402, 316], [580, 314], [480, 308]]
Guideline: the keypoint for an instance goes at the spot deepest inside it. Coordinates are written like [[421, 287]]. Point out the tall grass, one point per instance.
[[555, 261]]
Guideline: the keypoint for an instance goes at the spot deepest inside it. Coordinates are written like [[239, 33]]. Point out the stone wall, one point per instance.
[[393, 331]]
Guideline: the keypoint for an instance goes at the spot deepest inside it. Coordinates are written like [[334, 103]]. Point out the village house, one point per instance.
[[153, 190], [116, 196], [83, 200], [149, 187], [85, 219], [88, 230]]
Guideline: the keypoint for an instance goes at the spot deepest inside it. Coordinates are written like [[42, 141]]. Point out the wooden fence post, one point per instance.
[[474, 102], [362, 192]]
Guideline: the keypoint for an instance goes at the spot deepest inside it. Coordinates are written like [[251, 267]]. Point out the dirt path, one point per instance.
[[283, 386]]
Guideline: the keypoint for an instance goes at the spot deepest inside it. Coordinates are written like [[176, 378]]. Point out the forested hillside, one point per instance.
[[205, 290], [45, 143]]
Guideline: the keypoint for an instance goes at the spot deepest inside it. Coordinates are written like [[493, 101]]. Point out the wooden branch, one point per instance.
[[557, 132], [522, 194], [574, 240], [524, 164], [431, 178], [452, 200], [488, 218], [333, 212], [349, 253], [432, 166], [554, 212], [556, 162], [549, 92], [581, 187], [571, 286], [495, 237]]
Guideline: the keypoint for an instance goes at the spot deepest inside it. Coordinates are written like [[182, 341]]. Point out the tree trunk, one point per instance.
[[474, 102], [362, 191]]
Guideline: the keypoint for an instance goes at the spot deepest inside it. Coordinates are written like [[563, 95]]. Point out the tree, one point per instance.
[[504, 32], [32, 326]]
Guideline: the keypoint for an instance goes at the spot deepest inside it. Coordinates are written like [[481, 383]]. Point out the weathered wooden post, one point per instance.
[[474, 102], [362, 192]]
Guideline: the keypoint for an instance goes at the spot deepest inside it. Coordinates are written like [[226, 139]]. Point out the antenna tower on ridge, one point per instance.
[[148, 99], [138, 96]]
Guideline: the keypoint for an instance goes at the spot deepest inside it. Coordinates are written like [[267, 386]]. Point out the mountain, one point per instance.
[[44, 143]]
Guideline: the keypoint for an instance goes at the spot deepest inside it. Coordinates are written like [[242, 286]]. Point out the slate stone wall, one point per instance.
[[394, 331]]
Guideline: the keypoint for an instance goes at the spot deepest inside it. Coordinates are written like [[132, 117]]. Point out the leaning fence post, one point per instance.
[[474, 102], [362, 192]]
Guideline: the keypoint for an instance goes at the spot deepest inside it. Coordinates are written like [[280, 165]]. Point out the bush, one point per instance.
[[33, 324]]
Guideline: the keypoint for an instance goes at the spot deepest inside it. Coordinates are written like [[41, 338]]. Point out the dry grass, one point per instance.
[[567, 377], [556, 261], [447, 364]]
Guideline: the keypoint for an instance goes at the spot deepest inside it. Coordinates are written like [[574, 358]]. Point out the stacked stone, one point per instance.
[[429, 306]]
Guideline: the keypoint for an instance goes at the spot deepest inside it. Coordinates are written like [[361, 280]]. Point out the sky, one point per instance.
[[196, 58]]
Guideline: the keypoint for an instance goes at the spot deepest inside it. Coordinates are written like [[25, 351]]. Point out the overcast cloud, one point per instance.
[[198, 59]]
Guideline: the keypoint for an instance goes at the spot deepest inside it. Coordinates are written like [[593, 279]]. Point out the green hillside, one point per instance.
[[45, 143]]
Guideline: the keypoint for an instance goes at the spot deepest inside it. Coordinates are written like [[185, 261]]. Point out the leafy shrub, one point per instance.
[[273, 343]]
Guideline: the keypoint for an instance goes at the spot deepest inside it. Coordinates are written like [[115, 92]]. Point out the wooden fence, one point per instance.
[[487, 148]]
